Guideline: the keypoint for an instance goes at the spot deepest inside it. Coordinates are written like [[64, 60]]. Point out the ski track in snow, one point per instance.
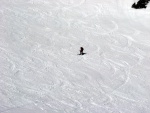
[[41, 72]]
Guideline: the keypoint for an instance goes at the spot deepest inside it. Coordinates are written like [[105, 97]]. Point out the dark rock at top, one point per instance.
[[140, 4]]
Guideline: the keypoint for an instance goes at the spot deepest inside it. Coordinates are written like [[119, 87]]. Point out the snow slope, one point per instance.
[[40, 71]]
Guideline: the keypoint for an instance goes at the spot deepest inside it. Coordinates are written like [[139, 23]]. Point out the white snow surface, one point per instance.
[[40, 71]]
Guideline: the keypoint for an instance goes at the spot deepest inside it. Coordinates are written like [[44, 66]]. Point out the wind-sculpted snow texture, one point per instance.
[[40, 71]]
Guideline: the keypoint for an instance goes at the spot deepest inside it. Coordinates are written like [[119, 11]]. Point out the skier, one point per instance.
[[81, 51]]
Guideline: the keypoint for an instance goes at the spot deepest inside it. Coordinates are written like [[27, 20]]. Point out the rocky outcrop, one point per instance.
[[140, 4]]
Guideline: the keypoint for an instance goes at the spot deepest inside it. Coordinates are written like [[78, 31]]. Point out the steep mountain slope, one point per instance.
[[41, 72]]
